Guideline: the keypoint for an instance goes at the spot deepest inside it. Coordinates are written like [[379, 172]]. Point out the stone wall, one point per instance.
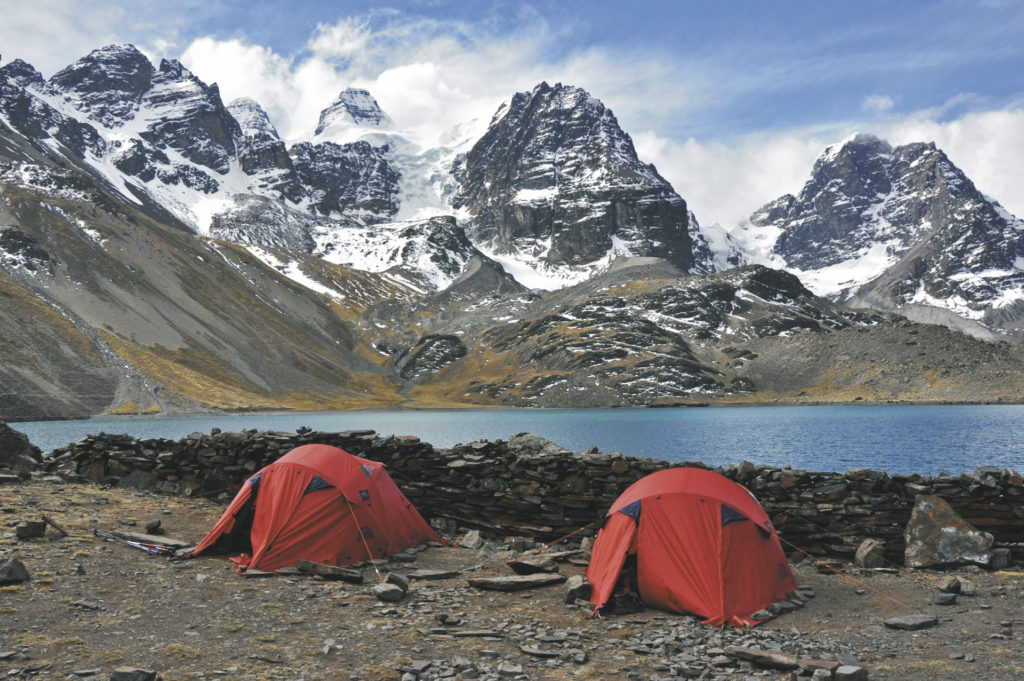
[[530, 486]]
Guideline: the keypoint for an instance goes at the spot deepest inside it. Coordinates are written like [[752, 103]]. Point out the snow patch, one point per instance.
[[293, 270], [869, 263], [535, 195]]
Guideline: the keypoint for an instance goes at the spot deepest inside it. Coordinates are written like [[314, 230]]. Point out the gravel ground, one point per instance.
[[92, 606]]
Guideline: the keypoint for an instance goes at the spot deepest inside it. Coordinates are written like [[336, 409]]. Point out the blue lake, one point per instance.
[[897, 439]]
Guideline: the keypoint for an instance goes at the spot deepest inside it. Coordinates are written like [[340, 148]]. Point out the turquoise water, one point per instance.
[[897, 439]]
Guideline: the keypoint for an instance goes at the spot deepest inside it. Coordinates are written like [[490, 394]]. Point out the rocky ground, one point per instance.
[[93, 606]]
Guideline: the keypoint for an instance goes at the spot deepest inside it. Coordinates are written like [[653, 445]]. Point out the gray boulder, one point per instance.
[[16, 452], [870, 554], [937, 536], [12, 571], [399, 580], [389, 593], [576, 587], [471, 540]]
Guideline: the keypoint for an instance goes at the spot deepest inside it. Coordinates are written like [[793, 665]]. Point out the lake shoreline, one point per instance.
[[715, 404], [919, 438]]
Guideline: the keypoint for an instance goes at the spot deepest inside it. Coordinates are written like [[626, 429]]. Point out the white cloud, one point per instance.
[[877, 104], [423, 77], [430, 75], [343, 39], [292, 94], [987, 145], [50, 34], [725, 181]]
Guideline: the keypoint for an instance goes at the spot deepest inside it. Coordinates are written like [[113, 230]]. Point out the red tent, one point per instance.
[[317, 503], [703, 545]]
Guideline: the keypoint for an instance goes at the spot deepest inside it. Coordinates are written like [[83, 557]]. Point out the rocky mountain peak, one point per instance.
[[902, 226], [173, 68], [22, 74], [857, 165], [252, 118], [859, 143], [353, 106], [189, 116], [107, 84], [556, 177], [860, 192]]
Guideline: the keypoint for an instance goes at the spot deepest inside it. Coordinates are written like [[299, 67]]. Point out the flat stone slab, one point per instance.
[[812, 665], [329, 572], [912, 622], [517, 582], [433, 574], [772, 659], [264, 573], [132, 674], [561, 555], [477, 633], [533, 565], [848, 672], [538, 652]]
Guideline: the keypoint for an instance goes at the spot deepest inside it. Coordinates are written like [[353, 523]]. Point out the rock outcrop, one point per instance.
[[17, 453]]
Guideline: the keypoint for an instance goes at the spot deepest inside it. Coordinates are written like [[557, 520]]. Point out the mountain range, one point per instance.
[[161, 250]]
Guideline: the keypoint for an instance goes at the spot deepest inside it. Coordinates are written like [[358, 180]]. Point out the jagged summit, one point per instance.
[[556, 181], [900, 226], [861, 151], [22, 74], [251, 117], [353, 107], [185, 113], [107, 84]]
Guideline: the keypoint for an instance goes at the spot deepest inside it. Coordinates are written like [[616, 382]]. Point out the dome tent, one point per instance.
[[703, 545], [321, 504]]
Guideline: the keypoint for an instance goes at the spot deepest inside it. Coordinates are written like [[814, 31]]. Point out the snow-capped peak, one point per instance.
[[353, 107], [22, 73], [107, 84], [855, 142], [251, 117]]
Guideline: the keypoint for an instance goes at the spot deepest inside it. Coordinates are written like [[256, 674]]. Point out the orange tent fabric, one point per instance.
[[322, 504], [703, 544]]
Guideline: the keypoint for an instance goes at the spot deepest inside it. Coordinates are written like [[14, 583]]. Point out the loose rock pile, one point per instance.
[[530, 486]]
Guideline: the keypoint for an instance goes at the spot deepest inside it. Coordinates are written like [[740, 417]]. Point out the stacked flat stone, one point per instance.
[[528, 486]]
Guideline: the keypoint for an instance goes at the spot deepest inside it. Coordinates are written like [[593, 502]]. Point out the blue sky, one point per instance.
[[732, 100]]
